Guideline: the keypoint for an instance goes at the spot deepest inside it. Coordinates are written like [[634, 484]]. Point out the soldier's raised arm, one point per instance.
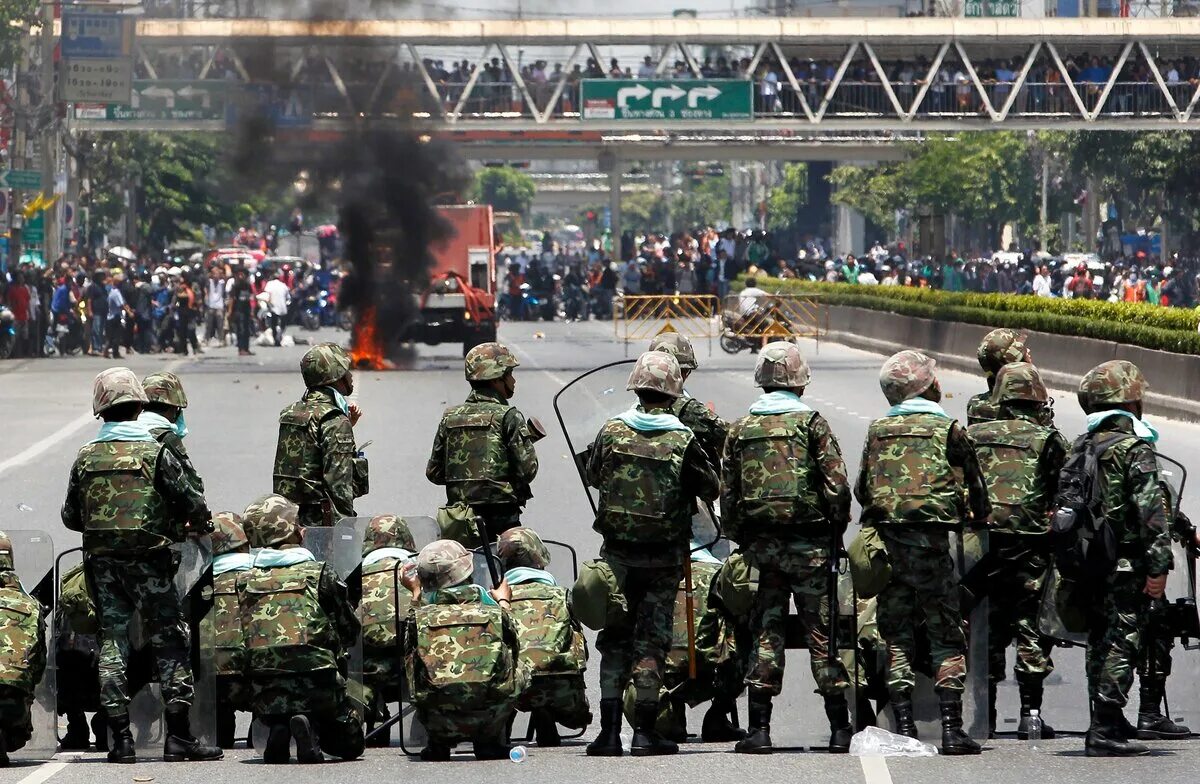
[[961, 454]]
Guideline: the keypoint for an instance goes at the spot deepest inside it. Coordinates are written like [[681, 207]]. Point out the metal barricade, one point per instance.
[[774, 317], [639, 317]]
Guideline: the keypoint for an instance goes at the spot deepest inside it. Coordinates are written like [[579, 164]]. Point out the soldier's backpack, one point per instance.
[[461, 654], [1085, 546], [285, 629], [550, 642], [298, 474], [75, 603]]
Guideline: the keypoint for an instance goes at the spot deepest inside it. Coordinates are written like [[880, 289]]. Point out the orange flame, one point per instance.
[[367, 348]]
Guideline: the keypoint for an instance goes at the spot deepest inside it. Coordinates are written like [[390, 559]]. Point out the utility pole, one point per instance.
[[52, 240], [1045, 199]]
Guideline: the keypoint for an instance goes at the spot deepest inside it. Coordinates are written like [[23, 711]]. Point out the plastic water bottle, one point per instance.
[[1035, 730], [518, 754]]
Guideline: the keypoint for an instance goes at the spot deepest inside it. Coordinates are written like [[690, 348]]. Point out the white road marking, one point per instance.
[[50, 441], [562, 382], [43, 772], [875, 770]]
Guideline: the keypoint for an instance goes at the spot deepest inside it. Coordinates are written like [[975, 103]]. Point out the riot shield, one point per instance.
[[424, 529], [1175, 618], [33, 559]]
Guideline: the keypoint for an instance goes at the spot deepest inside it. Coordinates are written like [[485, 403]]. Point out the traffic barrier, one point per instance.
[[775, 317], [639, 317]]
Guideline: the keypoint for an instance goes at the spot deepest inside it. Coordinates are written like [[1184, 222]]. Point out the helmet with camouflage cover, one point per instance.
[[1019, 381], [780, 364], [270, 520], [228, 534], [522, 547], [657, 371], [444, 564], [999, 348], [488, 361], [324, 364], [115, 386], [165, 388], [6, 553], [677, 346], [906, 375], [1113, 382], [388, 531]]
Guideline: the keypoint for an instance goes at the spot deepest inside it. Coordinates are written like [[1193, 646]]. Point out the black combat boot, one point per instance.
[[1107, 738], [122, 740], [76, 737], [646, 740], [279, 739], [379, 715], [3, 750], [902, 712], [840, 729], [100, 730], [758, 741], [1031, 699], [672, 723], [545, 729], [955, 742], [718, 727], [490, 749], [1152, 724], [180, 744], [435, 752], [608, 742], [308, 745], [226, 728]]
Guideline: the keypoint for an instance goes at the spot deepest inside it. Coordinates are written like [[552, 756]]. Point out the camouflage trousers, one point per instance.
[[233, 693], [799, 571], [1118, 626], [14, 717], [383, 672], [561, 697], [447, 725], [637, 648], [338, 727], [1016, 597], [317, 693], [922, 590], [123, 586]]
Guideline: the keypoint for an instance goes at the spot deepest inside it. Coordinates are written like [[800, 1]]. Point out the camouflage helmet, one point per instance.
[[388, 531], [780, 364], [657, 371], [1019, 381], [677, 346], [488, 361], [6, 553], [906, 375], [324, 364], [165, 388], [228, 534], [1115, 381], [270, 520], [999, 348], [444, 564], [522, 547], [115, 386]]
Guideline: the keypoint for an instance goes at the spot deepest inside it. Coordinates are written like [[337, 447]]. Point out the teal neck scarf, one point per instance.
[[1141, 428], [270, 558], [375, 556], [527, 574], [339, 399], [231, 562], [917, 405], [123, 431], [645, 422], [779, 402], [154, 421]]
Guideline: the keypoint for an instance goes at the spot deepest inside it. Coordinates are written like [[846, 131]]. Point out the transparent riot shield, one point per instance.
[[33, 560], [1173, 636]]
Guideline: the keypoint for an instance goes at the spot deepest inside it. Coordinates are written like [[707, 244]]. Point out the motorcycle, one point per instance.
[[731, 342], [312, 312], [8, 332], [66, 337], [575, 303]]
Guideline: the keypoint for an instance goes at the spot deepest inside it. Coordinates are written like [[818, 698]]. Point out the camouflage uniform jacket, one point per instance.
[[316, 459], [482, 452], [713, 641], [916, 469], [646, 482], [171, 440], [710, 430], [1133, 501], [551, 639], [381, 605], [226, 626], [783, 472], [1021, 460], [122, 514], [980, 408], [22, 636]]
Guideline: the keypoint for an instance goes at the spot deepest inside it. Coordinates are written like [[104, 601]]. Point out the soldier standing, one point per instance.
[[22, 656], [917, 470], [998, 348], [127, 495], [231, 557], [710, 430], [163, 415], [317, 464], [297, 625], [785, 493], [483, 451], [1021, 460], [648, 467]]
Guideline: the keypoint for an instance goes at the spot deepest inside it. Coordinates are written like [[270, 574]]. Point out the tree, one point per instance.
[[505, 188], [704, 203], [643, 211], [16, 19], [785, 199]]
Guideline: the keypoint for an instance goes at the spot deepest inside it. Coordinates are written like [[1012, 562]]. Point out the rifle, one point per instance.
[[488, 555]]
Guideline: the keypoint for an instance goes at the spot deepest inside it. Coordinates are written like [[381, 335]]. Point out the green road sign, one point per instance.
[[678, 99], [35, 230], [1007, 8], [21, 179], [164, 99]]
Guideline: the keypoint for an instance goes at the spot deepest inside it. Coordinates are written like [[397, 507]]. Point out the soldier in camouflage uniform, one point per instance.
[[317, 464], [1135, 509], [552, 643], [648, 467], [1021, 460], [709, 429], [483, 451], [785, 493], [231, 557], [999, 348], [388, 547], [131, 499], [297, 626], [22, 654], [919, 480], [464, 667]]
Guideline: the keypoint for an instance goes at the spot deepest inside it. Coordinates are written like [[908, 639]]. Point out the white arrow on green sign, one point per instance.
[[21, 179]]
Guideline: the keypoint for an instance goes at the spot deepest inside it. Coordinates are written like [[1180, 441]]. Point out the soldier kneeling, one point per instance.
[[22, 658]]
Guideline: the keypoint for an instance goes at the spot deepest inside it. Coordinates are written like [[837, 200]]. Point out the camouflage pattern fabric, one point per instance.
[[269, 520], [378, 611], [677, 346], [1019, 381], [165, 388], [6, 553], [340, 727], [22, 637], [228, 534], [324, 364], [708, 428], [1115, 381], [482, 452], [791, 569], [316, 460], [15, 717], [561, 697], [637, 649], [1020, 460], [488, 361], [518, 547], [229, 652], [115, 386], [121, 586], [443, 564], [711, 642], [656, 371], [552, 646], [980, 408], [388, 531], [1000, 347], [906, 375], [1013, 615], [780, 364]]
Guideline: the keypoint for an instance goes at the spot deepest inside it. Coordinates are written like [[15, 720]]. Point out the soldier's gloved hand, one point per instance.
[[355, 414], [1155, 586]]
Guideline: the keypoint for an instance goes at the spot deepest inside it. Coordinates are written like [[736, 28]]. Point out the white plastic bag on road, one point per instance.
[[874, 742]]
